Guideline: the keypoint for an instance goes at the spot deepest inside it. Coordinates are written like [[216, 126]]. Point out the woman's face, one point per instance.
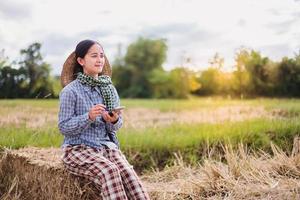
[[93, 61]]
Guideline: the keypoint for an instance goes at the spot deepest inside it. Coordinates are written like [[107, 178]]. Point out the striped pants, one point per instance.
[[106, 167]]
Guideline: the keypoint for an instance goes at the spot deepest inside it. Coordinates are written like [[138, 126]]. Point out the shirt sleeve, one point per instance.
[[117, 125], [68, 122]]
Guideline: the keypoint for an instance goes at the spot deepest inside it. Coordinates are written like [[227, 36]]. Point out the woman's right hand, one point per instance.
[[95, 111]]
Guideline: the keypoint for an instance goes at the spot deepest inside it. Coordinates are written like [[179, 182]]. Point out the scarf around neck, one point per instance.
[[106, 87]]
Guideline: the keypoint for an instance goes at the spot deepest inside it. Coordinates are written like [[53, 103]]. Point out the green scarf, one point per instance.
[[106, 87]]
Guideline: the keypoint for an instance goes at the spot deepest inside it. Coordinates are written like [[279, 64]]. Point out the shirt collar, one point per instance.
[[88, 88]]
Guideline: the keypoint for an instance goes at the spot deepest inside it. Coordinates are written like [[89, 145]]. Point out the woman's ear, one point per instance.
[[80, 61]]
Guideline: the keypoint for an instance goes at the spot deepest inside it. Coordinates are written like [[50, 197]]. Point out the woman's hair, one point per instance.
[[81, 50]]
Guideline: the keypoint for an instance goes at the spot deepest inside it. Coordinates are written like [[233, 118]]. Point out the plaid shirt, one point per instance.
[[76, 99]]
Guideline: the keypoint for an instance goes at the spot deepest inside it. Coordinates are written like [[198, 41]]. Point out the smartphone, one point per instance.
[[119, 108], [116, 109]]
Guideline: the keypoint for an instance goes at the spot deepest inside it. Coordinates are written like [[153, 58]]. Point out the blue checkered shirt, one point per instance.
[[76, 99]]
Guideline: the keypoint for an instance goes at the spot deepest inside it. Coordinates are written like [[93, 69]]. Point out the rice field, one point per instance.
[[201, 148], [154, 130]]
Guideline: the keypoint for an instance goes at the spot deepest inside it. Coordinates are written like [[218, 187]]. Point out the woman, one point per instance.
[[90, 146]]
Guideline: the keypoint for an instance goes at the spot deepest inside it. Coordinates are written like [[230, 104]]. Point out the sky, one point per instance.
[[195, 29]]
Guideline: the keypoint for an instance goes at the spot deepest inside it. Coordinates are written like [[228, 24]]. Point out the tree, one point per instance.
[[216, 62], [142, 57], [37, 72], [11, 79], [177, 83], [183, 82], [241, 76], [289, 76], [161, 84], [260, 70], [208, 81]]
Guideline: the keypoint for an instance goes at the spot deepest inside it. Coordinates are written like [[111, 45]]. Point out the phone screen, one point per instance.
[[119, 108]]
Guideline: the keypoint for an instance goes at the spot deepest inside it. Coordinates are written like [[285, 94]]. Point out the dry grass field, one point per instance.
[[207, 148], [240, 176]]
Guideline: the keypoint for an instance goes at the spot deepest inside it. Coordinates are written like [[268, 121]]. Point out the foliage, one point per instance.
[[142, 57], [30, 80]]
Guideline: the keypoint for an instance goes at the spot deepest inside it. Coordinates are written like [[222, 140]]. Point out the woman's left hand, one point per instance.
[[111, 119]]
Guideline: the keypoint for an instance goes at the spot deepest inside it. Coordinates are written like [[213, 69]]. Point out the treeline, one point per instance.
[[140, 74], [254, 75], [28, 78]]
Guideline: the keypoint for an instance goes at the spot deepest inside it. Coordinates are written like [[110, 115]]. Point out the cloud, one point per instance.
[[174, 28], [15, 10], [186, 40], [281, 27], [105, 12], [276, 51], [95, 33], [197, 31], [273, 11], [56, 47], [241, 22], [296, 15], [180, 33], [57, 44]]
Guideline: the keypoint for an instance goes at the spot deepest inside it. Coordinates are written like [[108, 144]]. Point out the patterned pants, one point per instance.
[[106, 167]]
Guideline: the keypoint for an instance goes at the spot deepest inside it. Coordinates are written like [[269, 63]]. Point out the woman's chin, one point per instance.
[[98, 71]]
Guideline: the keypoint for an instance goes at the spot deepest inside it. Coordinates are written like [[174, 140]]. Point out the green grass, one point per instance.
[[21, 137], [192, 140], [156, 146]]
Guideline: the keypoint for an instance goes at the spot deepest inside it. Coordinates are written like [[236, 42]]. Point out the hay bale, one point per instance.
[[34, 173], [38, 173]]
